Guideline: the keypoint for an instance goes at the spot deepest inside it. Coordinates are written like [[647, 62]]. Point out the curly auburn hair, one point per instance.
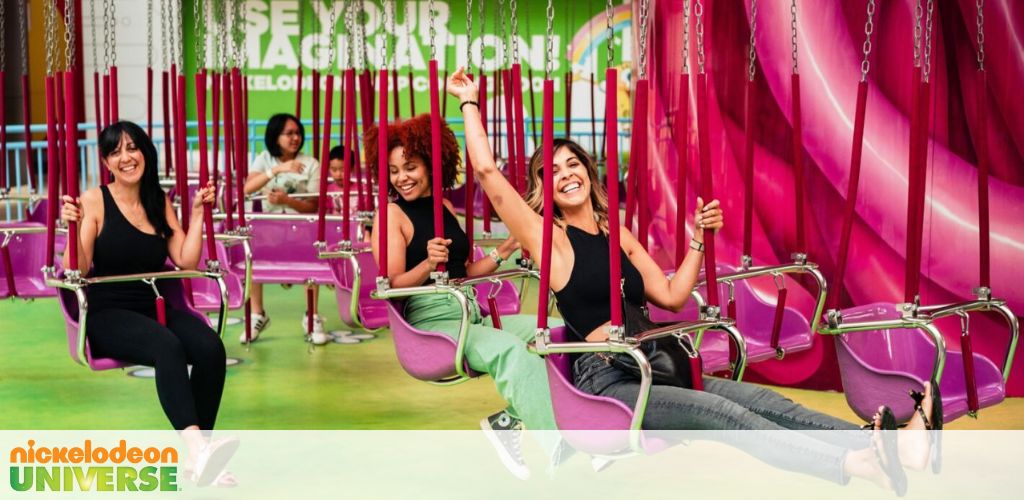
[[414, 135]]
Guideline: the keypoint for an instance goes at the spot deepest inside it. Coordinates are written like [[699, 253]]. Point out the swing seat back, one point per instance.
[[352, 289], [424, 355], [283, 252], [206, 294], [879, 367]]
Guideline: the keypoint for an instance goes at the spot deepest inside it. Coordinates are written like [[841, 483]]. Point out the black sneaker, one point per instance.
[[505, 433]]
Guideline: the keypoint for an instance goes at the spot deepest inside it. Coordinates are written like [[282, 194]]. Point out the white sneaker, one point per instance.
[[318, 336], [259, 323]]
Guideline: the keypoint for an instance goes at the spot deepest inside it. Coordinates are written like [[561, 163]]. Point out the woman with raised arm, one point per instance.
[[579, 280], [129, 227]]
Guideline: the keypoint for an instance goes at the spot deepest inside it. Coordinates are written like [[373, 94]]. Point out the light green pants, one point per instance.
[[519, 375]]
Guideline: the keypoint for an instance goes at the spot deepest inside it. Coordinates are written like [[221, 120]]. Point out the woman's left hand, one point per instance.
[[204, 195], [707, 217], [508, 247], [277, 197]]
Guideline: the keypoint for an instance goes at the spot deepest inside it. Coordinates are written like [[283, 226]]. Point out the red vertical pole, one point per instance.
[[316, 112], [510, 157], [215, 101], [168, 134], [115, 114], [382, 182], [71, 160], [641, 169], [682, 125], [435, 154], [53, 173], [707, 192], [611, 120], [547, 140], [856, 151], [149, 101], [748, 170], [520, 125], [798, 165], [26, 112], [204, 167], [229, 148], [325, 150], [984, 252]]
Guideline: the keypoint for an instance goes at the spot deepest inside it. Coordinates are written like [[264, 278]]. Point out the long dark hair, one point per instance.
[[151, 195], [535, 192], [275, 127]]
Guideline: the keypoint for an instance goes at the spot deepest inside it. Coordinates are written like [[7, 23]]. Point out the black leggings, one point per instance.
[[134, 337]]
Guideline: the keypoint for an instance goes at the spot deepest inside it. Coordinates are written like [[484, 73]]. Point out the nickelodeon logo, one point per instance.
[[89, 468]]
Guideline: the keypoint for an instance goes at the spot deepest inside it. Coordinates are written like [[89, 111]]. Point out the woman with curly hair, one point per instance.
[[414, 253]]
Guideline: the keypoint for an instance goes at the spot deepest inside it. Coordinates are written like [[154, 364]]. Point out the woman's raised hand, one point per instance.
[[708, 216], [204, 195], [293, 167], [461, 87]]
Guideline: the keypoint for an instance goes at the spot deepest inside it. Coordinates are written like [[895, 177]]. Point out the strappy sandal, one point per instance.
[[887, 453], [887, 420], [935, 422]]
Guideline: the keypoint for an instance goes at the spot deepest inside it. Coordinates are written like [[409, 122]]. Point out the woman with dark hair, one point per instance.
[[414, 253], [280, 171], [129, 227], [581, 237]]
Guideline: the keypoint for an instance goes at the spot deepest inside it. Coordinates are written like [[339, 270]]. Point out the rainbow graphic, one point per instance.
[[594, 33]]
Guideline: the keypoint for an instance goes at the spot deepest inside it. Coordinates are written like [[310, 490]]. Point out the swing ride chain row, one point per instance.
[[698, 11], [792, 30], [513, 8], [611, 32], [918, 14], [927, 64], [686, 36], [549, 42], [69, 38], [980, 4], [869, 28], [752, 55], [644, 8]]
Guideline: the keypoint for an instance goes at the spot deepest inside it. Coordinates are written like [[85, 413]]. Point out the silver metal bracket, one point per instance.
[[383, 284], [983, 293], [616, 333], [746, 261], [799, 258], [834, 318], [712, 313], [213, 265], [439, 277]]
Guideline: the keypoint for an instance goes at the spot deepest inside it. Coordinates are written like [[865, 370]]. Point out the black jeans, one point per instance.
[[726, 405], [138, 338]]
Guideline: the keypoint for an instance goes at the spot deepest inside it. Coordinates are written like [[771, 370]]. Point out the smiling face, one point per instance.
[[126, 162], [290, 140], [572, 180], [409, 176]]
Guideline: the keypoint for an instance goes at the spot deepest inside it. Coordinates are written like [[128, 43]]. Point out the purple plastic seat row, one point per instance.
[[206, 295], [355, 277], [22, 258]]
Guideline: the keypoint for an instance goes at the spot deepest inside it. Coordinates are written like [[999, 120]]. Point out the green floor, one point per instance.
[[278, 385]]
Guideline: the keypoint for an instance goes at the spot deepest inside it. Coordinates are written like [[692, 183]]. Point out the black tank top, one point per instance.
[[421, 212], [122, 248], [584, 301]]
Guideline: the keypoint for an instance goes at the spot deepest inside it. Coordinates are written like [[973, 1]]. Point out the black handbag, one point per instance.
[[674, 361]]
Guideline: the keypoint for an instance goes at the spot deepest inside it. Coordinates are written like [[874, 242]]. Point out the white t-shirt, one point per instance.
[[290, 182]]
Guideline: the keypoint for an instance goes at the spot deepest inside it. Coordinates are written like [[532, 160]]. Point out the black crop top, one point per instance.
[[584, 301], [121, 248], [421, 212]]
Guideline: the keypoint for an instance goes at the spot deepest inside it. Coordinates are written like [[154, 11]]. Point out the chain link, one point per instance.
[[513, 7], [23, 34], [69, 37], [92, 32], [106, 35], [611, 33], [980, 4], [469, 36], [239, 35], [51, 34], [164, 45], [360, 30], [644, 11], [869, 29], [483, 29], [149, 35], [200, 34], [113, 33], [698, 12], [752, 53], [384, 27], [927, 65], [501, 32], [792, 30], [686, 36], [918, 14], [549, 42], [431, 33], [3, 39]]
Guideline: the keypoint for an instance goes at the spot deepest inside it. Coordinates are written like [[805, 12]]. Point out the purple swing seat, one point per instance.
[[206, 294], [174, 298], [879, 367], [366, 313], [755, 318], [27, 252], [585, 420], [424, 355], [283, 252]]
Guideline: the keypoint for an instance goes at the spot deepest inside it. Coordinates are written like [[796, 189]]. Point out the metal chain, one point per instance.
[[149, 35], [92, 32], [432, 33], [698, 12], [918, 14], [238, 25], [302, 27], [869, 29], [980, 4], [549, 42], [350, 51], [469, 36], [752, 54], [792, 29], [611, 32], [23, 34], [483, 29], [501, 31], [51, 35], [330, 34], [69, 38], [106, 35], [113, 33], [644, 8], [199, 35], [686, 36], [164, 46], [361, 27], [3, 40], [927, 65], [384, 45], [513, 8], [408, 35], [172, 45]]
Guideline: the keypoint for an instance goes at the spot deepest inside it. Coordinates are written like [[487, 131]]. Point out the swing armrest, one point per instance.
[[981, 305], [78, 286], [836, 326], [542, 347], [698, 327], [385, 293], [510, 274]]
